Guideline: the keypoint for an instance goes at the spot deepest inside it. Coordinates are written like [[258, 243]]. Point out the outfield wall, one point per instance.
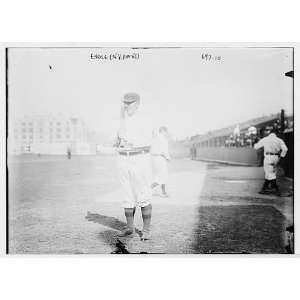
[[243, 156]]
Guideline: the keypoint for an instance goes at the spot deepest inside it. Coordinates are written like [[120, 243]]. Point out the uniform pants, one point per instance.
[[270, 166], [160, 169], [135, 179]]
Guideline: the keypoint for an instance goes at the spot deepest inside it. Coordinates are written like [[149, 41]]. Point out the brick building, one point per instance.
[[48, 134]]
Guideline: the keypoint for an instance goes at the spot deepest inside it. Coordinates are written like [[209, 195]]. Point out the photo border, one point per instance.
[[8, 46]]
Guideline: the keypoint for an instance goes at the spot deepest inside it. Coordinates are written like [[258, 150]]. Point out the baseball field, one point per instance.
[[61, 206]]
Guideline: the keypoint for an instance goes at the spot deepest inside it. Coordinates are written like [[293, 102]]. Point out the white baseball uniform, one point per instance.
[[274, 148], [135, 170], [160, 154]]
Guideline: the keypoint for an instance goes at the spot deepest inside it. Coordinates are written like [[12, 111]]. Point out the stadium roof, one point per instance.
[[257, 122]]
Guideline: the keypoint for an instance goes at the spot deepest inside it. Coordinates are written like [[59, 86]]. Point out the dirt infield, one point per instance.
[[61, 206]]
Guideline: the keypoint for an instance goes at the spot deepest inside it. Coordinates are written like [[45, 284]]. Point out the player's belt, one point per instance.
[[134, 152], [271, 153]]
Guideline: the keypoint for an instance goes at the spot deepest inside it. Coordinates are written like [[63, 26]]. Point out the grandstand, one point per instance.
[[218, 138], [234, 144]]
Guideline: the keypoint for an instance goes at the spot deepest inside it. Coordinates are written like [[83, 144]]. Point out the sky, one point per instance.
[[189, 90]]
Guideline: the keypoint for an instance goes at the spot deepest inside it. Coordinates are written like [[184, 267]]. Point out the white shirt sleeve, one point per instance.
[[259, 144], [136, 131]]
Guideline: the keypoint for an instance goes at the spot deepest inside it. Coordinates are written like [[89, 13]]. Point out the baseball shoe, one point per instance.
[[145, 235], [128, 232], [273, 192]]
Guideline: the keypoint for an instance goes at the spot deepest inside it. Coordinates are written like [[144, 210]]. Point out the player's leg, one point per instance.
[[274, 185], [267, 172], [163, 176], [129, 197], [154, 171], [264, 187], [146, 215], [163, 190], [274, 175], [142, 178]]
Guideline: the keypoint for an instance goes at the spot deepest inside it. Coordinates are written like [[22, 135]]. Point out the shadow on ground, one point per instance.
[[239, 229], [110, 237], [107, 221]]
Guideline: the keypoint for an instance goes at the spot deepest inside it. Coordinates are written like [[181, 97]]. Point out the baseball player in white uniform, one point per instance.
[[160, 158], [134, 139], [274, 150]]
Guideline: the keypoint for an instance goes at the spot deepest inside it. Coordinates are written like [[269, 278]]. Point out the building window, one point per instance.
[[67, 136], [58, 136], [24, 137], [68, 129], [58, 123], [30, 129], [24, 130], [58, 129]]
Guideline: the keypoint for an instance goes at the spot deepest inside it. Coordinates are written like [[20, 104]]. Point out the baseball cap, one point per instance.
[[131, 98]]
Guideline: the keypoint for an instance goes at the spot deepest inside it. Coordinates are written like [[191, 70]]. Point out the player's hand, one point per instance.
[[165, 157]]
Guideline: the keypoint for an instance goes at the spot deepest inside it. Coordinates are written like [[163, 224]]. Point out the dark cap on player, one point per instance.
[[131, 98]]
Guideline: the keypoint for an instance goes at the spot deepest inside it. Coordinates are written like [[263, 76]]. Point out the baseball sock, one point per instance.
[[129, 214], [266, 184], [146, 214], [274, 184]]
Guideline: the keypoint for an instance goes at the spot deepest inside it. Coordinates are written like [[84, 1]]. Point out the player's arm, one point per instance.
[[165, 151], [166, 157], [167, 154], [284, 149], [259, 144]]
